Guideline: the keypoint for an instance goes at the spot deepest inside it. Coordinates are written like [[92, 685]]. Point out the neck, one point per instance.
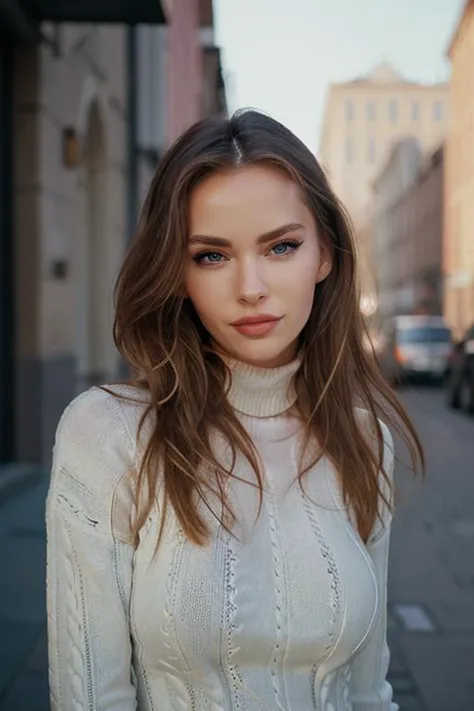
[[259, 391]]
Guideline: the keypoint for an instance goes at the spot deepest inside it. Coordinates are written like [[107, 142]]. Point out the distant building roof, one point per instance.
[[383, 73]]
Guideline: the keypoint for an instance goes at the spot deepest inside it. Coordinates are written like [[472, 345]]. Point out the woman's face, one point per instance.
[[254, 259]]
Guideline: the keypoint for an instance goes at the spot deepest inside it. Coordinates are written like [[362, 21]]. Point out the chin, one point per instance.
[[264, 353]]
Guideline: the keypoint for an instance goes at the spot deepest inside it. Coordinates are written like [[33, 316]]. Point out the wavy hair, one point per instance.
[[161, 338]]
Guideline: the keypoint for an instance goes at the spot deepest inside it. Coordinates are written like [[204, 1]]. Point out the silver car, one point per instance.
[[416, 346]]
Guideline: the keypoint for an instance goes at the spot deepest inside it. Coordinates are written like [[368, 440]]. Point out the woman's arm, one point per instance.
[[370, 690], [89, 564]]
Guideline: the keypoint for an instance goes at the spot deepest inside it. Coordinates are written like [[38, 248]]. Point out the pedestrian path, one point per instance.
[[23, 654], [431, 575]]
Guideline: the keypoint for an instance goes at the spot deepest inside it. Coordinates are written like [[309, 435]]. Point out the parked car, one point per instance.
[[415, 346], [460, 383]]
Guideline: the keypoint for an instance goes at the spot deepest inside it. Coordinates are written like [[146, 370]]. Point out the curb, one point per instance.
[[14, 478]]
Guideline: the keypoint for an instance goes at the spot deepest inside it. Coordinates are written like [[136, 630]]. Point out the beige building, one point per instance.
[[408, 232], [71, 200], [459, 178], [363, 119]]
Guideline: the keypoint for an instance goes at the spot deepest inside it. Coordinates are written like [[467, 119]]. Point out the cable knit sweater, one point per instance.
[[287, 614]]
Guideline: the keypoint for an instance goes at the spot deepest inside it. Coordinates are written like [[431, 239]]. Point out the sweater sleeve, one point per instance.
[[89, 561], [370, 690]]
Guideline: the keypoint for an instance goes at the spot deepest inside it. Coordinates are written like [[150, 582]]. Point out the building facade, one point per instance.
[[90, 97], [184, 70], [181, 84], [459, 178], [214, 100], [363, 120], [408, 232]]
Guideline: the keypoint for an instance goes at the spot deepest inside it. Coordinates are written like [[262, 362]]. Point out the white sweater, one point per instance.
[[289, 614]]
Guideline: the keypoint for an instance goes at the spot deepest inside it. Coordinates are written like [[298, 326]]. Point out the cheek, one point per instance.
[[302, 276], [300, 287], [205, 293]]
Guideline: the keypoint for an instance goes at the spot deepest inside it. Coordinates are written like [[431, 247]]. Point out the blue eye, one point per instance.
[[213, 258], [286, 247], [280, 248], [208, 258]]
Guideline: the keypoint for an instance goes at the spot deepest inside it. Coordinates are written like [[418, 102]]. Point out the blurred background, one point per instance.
[[91, 94]]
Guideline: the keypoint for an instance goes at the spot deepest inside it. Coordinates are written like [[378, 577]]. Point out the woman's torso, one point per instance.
[[263, 619]]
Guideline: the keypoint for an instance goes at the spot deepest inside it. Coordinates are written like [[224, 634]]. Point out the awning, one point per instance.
[[127, 12], [18, 21], [23, 16]]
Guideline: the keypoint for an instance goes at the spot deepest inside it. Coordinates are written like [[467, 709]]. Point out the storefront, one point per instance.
[[21, 23]]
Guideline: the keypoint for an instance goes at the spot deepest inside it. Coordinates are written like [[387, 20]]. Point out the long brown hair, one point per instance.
[[161, 338]]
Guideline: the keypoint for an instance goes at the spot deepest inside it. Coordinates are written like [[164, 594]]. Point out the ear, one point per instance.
[[325, 260], [325, 267]]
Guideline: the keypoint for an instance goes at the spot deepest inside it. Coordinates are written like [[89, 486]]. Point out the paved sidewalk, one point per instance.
[[431, 574], [23, 655]]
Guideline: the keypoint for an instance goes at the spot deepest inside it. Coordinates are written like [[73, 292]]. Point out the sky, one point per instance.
[[281, 55]]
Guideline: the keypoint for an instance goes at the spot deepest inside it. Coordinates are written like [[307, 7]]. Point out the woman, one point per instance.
[[218, 529]]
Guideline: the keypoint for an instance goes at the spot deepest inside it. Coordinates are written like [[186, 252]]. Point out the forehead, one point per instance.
[[257, 197]]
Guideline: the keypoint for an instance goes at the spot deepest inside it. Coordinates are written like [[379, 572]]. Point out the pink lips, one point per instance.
[[256, 325]]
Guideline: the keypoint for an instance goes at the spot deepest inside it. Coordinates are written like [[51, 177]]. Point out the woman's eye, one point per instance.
[[283, 248], [211, 257], [208, 258]]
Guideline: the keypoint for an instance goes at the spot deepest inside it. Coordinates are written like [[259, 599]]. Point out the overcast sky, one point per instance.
[[280, 55]]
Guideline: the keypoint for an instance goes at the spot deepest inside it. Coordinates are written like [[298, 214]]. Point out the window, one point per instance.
[[370, 111], [371, 151], [437, 111], [415, 111], [349, 150], [393, 111], [427, 334], [349, 110]]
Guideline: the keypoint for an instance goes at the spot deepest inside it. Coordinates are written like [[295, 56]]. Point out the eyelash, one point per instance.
[[293, 243]]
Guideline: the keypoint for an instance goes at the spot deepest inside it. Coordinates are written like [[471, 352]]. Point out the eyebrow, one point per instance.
[[263, 239]]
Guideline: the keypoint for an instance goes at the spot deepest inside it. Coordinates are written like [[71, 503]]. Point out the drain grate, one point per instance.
[[464, 527], [413, 617]]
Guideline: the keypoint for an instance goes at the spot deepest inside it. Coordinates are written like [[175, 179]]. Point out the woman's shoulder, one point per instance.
[[94, 457], [107, 409], [98, 430]]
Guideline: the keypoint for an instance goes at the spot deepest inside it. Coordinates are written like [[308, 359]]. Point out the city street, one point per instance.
[[431, 581]]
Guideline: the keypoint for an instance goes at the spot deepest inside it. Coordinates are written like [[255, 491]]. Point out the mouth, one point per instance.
[[256, 325]]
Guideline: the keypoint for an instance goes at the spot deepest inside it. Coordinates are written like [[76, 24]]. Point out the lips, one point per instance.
[[250, 320], [256, 326]]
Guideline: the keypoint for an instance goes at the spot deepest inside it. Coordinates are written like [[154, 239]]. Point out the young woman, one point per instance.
[[218, 529]]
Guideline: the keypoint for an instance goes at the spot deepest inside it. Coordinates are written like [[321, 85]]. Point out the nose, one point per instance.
[[252, 286]]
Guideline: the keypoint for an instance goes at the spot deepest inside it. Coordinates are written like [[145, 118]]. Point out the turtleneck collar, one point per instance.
[[262, 392]]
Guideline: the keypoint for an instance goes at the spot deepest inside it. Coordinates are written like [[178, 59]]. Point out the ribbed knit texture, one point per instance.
[[287, 613], [262, 392]]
